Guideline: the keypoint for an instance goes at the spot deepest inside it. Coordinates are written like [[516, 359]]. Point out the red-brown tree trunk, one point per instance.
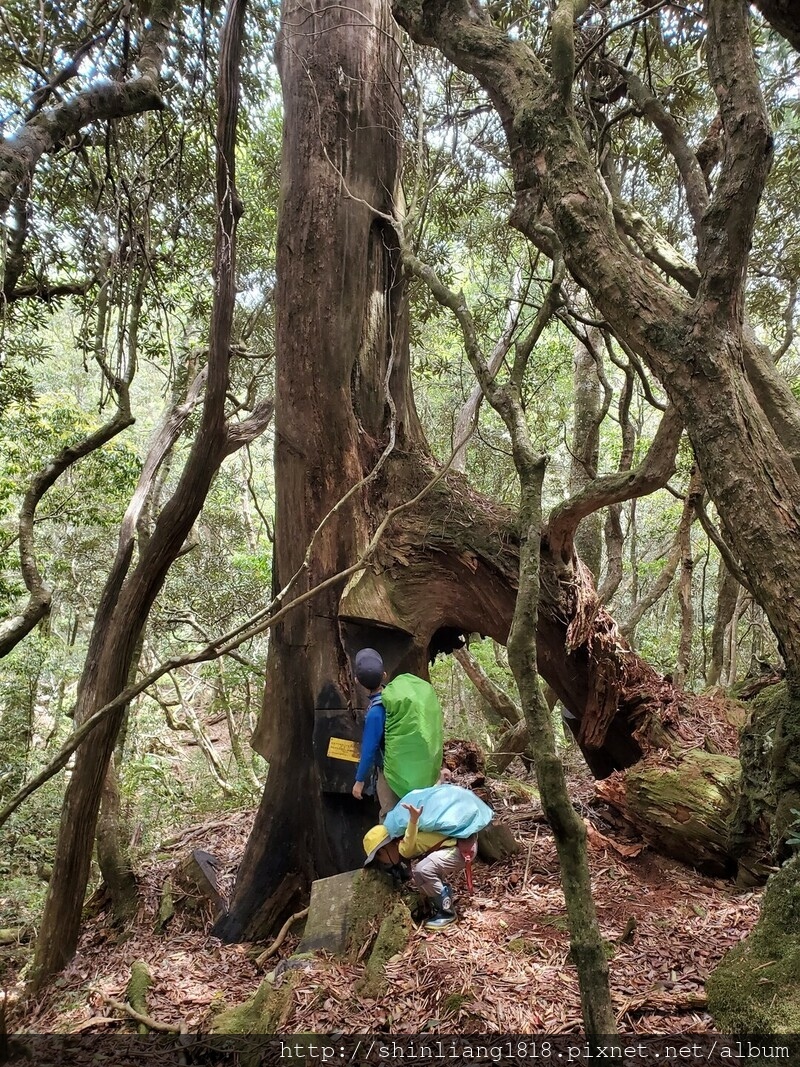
[[341, 335]]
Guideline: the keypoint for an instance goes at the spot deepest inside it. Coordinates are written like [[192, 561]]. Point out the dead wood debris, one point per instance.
[[503, 968], [143, 1020], [270, 950]]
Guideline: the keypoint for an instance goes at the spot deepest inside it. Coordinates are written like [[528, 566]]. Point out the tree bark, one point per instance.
[[112, 852], [587, 415], [683, 659], [783, 16], [338, 385]]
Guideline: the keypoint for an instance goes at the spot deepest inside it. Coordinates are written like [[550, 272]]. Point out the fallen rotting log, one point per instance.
[[680, 806]]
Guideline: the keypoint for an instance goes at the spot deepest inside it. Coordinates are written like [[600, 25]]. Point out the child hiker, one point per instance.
[[438, 859]]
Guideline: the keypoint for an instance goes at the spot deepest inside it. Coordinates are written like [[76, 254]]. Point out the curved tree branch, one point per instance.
[[714, 535], [242, 433], [16, 627], [659, 588], [783, 16], [652, 473], [562, 51], [655, 247], [675, 140], [47, 130]]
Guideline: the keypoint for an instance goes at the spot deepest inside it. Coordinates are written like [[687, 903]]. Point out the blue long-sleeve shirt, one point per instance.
[[372, 738]]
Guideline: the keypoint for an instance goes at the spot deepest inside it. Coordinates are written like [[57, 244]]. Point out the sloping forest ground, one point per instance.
[[502, 969]]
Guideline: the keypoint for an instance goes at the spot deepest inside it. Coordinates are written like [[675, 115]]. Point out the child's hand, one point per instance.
[[414, 813]]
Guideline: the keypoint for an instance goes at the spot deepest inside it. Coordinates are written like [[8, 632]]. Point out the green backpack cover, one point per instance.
[[413, 734]]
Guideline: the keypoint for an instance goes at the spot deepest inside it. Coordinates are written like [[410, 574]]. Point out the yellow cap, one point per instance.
[[374, 839]]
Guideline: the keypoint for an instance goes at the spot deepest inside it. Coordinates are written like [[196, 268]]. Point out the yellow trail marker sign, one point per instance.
[[340, 748]]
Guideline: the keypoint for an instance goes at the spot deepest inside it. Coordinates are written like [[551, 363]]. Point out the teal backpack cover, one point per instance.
[[413, 735], [446, 809]]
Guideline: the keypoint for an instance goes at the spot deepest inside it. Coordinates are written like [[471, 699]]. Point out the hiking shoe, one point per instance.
[[440, 920]]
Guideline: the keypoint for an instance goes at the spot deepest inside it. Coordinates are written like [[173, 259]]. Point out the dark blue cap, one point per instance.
[[369, 668]]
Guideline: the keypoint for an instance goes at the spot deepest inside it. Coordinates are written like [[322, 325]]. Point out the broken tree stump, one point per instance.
[[196, 878], [344, 914]]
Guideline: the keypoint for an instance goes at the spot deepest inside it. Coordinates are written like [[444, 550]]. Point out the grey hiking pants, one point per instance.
[[433, 870], [387, 798]]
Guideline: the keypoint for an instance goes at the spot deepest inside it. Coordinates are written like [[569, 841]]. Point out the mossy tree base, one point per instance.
[[756, 987], [264, 1013], [392, 939], [344, 910], [343, 915]]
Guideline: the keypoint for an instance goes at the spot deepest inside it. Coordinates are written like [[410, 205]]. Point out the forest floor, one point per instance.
[[502, 969]]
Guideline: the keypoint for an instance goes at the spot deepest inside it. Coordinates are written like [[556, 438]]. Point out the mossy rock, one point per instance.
[[343, 914], [392, 938], [523, 791], [755, 989], [523, 946]]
